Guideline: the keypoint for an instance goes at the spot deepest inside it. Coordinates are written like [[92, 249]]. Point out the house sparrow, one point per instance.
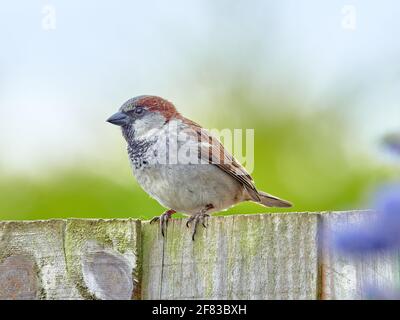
[[159, 140]]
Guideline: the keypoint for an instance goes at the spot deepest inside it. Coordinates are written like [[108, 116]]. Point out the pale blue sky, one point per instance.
[[58, 86]]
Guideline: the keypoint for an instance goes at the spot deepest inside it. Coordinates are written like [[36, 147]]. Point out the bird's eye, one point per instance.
[[139, 110]]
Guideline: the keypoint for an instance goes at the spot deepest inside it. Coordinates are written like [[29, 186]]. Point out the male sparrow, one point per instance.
[[181, 165]]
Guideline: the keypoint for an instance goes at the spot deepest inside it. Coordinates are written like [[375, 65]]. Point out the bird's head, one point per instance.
[[140, 116]]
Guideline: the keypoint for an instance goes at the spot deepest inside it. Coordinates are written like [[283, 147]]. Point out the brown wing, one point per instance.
[[212, 151]]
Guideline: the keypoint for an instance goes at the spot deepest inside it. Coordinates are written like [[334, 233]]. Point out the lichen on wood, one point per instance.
[[260, 256], [273, 254], [70, 259], [103, 257]]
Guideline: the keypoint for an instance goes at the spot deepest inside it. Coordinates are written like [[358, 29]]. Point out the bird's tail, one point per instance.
[[272, 201]]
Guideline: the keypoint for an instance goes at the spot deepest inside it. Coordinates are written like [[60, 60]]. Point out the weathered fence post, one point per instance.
[[260, 256]]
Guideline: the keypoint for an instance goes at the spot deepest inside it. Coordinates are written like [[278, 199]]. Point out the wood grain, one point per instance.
[[270, 256], [348, 277], [34, 251], [74, 259], [260, 256]]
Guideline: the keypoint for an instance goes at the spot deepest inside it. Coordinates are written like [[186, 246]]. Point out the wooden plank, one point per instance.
[[103, 258], [32, 262], [345, 277], [267, 256], [70, 259]]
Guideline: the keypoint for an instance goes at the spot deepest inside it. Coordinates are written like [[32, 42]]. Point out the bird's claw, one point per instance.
[[154, 219], [197, 218], [164, 218]]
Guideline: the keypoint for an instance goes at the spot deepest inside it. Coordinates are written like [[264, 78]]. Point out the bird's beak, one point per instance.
[[119, 119]]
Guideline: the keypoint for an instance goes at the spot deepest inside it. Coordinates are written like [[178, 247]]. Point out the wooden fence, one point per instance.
[[263, 256]]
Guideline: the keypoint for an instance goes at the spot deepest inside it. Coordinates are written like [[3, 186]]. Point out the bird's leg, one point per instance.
[[200, 217], [163, 220]]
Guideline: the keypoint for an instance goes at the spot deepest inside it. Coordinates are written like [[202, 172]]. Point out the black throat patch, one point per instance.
[[138, 152]]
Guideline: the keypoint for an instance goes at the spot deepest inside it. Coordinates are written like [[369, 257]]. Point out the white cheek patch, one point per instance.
[[148, 126]]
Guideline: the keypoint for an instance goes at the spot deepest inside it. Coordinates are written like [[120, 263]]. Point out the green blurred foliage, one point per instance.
[[309, 158]]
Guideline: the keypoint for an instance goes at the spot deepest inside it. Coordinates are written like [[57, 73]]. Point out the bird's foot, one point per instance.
[[201, 217], [163, 220]]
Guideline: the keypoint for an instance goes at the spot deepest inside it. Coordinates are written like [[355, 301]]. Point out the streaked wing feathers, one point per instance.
[[212, 151]]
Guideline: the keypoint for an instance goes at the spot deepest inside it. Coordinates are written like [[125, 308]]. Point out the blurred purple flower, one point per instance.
[[392, 142], [381, 234], [373, 293]]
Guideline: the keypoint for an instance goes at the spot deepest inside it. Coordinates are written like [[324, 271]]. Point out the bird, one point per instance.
[[181, 165]]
